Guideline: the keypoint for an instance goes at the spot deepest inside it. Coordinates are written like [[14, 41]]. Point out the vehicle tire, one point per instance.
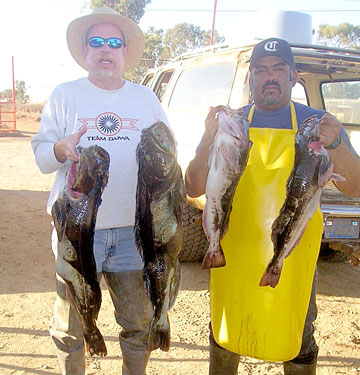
[[330, 255], [195, 242]]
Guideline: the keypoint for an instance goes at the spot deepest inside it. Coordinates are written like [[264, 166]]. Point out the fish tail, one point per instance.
[[271, 276], [94, 343], [214, 259], [159, 335]]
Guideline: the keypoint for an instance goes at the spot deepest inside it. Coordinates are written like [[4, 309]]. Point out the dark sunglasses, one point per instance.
[[98, 41]]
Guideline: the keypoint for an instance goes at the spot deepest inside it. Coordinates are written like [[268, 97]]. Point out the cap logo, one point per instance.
[[271, 46]]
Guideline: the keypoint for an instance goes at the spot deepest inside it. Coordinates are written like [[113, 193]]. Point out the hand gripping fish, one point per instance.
[[74, 214], [227, 161], [312, 170], [158, 225]]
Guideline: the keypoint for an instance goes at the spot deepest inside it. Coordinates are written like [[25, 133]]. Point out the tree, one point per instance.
[[185, 37], [344, 35], [133, 9], [152, 55], [20, 92], [6, 95]]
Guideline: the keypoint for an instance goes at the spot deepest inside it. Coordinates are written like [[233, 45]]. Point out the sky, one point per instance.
[[34, 30]]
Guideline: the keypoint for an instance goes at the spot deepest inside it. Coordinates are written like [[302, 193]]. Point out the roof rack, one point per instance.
[[200, 51], [319, 47], [297, 48]]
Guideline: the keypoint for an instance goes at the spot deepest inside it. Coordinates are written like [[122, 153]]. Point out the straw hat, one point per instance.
[[77, 29]]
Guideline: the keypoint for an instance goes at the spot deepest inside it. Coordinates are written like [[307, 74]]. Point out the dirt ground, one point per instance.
[[27, 280]]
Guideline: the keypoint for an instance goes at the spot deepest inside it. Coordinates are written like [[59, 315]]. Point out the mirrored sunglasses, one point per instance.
[[98, 41]]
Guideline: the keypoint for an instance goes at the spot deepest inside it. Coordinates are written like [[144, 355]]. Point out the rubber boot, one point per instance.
[[291, 368], [71, 363], [67, 334], [222, 361], [133, 312]]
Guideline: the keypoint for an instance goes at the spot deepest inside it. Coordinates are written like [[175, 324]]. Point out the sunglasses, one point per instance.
[[98, 41]]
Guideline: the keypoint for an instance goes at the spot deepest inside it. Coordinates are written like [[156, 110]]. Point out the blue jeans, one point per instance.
[[115, 250]]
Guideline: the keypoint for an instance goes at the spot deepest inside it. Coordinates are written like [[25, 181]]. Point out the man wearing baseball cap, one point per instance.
[[274, 120], [104, 109]]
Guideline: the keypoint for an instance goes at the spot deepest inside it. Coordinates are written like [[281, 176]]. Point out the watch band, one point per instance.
[[335, 144]]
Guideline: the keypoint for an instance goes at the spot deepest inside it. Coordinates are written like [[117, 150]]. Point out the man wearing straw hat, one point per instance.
[[105, 109]]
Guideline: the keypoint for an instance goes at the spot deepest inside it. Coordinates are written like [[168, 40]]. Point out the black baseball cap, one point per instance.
[[272, 47]]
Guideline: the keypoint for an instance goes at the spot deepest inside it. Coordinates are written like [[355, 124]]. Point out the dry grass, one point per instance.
[[31, 111]]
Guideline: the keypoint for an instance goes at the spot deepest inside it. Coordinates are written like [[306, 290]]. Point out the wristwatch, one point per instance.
[[335, 144]]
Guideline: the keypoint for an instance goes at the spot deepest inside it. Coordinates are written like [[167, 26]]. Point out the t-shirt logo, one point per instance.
[[271, 46], [109, 123]]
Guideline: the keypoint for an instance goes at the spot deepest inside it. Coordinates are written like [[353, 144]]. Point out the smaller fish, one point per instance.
[[74, 214], [158, 225], [227, 161], [312, 170]]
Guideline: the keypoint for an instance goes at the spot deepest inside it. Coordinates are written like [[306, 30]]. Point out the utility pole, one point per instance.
[[213, 24]]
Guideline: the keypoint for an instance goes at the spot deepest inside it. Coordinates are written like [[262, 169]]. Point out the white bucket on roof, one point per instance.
[[295, 27]]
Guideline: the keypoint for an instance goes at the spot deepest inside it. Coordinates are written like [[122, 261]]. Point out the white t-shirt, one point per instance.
[[114, 120]]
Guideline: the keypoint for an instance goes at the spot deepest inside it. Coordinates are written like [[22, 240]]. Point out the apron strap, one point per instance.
[[292, 114]]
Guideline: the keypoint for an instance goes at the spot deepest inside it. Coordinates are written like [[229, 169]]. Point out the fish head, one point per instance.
[[157, 152], [309, 130], [234, 122], [92, 170]]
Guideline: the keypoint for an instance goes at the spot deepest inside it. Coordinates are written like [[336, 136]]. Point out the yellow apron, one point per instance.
[[263, 322]]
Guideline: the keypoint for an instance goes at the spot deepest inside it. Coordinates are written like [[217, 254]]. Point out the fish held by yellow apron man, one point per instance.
[[227, 161], [312, 170]]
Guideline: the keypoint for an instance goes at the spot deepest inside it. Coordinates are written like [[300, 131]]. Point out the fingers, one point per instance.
[[211, 121], [330, 128], [65, 148], [214, 110]]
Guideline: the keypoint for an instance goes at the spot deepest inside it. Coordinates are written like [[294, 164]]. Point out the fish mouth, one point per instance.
[[72, 177]]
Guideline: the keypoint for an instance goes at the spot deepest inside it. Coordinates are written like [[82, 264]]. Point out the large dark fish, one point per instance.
[[312, 170], [227, 161], [158, 225], [74, 214]]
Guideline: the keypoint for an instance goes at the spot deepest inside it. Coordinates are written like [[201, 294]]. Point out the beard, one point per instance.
[[273, 97], [105, 74], [271, 100]]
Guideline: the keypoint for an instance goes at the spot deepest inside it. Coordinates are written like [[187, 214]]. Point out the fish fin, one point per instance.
[[214, 259], [326, 173], [297, 241], [213, 154], [159, 335], [271, 276], [147, 286], [225, 226], [176, 200], [94, 343], [337, 177], [175, 286], [204, 224], [59, 213], [231, 158], [142, 211]]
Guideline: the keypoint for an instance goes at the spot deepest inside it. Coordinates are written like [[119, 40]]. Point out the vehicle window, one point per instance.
[[342, 99], [200, 87], [298, 94], [162, 83], [147, 80]]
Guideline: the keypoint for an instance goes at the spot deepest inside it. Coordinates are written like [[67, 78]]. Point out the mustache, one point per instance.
[[271, 83]]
